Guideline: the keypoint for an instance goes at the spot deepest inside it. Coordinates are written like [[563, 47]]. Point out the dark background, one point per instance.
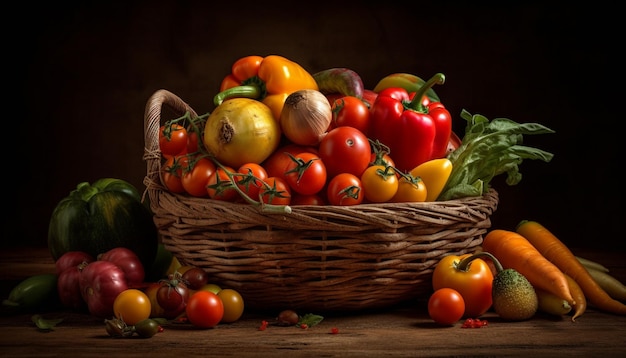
[[78, 78]]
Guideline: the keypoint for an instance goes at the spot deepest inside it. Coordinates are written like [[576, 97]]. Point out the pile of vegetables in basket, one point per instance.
[[280, 135]]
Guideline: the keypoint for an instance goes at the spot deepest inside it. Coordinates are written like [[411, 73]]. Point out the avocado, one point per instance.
[[514, 297]]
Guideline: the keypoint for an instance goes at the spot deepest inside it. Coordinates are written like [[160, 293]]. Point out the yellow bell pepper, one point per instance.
[[269, 79]]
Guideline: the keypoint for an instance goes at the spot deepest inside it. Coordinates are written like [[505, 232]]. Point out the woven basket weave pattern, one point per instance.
[[322, 258]]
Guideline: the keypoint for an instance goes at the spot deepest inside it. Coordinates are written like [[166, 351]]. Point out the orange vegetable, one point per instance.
[[514, 251], [579, 296], [554, 250]]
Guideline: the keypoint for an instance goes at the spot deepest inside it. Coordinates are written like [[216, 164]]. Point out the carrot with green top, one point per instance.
[[558, 253], [514, 251]]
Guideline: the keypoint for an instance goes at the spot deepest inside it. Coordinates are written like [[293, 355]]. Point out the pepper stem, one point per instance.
[[247, 91], [464, 263], [418, 99]]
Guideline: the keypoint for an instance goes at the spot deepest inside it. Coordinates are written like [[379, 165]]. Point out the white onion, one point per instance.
[[305, 117]]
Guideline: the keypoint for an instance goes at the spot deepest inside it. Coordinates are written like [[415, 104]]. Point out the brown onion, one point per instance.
[[305, 117]]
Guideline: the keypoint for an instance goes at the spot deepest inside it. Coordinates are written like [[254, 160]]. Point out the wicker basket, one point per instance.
[[317, 258]]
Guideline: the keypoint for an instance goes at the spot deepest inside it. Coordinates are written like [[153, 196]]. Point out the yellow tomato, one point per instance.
[[380, 183], [132, 306], [241, 130], [410, 191], [233, 305]]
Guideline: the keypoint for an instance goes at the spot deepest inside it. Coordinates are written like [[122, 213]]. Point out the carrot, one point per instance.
[[514, 251], [555, 250], [579, 296]]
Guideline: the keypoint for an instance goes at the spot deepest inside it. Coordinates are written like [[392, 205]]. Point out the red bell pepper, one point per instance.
[[402, 122]]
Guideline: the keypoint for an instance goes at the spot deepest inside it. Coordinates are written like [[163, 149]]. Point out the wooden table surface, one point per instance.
[[404, 331]]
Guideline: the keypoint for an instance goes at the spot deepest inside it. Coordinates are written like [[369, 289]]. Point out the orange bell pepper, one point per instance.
[[269, 79]]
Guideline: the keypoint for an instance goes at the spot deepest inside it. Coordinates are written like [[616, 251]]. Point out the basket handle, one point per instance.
[[152, 124]]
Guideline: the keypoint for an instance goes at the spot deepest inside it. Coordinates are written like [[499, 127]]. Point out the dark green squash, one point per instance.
[[99, 217]]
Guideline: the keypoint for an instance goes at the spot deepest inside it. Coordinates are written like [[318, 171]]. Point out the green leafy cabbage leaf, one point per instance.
[[488, 149]]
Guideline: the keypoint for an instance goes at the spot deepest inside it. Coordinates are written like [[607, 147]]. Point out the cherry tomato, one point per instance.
[[277, 162], [251, 180], [345, 150], [410, 189], [276, 192], [192, 141], [196, 176], [220, 187], [380, 183], [172, 173], [204, 309], [350, 111], [233, 304], [345, 189], [156, 310], [473, 282], [299, 199], [306, 173], [132, 306], [172, 139], [147, 328], [195, 278], [446, 306], [172, 296]]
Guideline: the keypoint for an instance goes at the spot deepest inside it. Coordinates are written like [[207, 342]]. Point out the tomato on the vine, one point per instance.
[[276, 191], [204, 309], [314, 199], [251, 179], [172, 139], [306, 173], [277, 162], [446, 306], [410, 189], [196, 176], [345, 189], [345, 150], [350, 111], [132, 306], [380, 183], [172, 173], [219, 185]]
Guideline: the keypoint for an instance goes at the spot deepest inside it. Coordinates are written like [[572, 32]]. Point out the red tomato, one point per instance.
[[172, 139], [128, 261], [380, 183], [277, 162], [195, 278], [172, 296], [172, 173], [306, 173], [204, 309], [192, 141], [345, 189], [252, 179], [345, 150], [196, 176], [220, 187], [446, 306], [350, 111], [299, 199], [276, 191]]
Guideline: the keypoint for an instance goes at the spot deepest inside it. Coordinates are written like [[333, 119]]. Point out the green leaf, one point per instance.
[[489, 149], [310, 320]]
